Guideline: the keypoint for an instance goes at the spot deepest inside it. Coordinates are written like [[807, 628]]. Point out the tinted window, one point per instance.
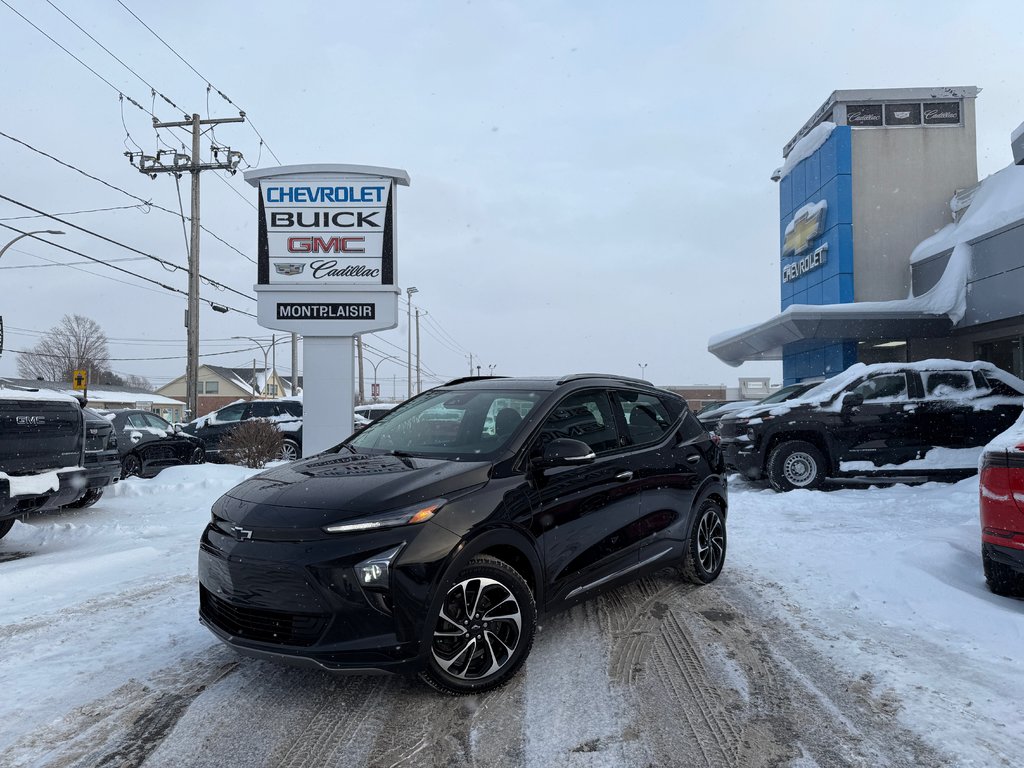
[[134, 421], [229, 414], [647, 420], [888, 386], [587, 417], [293, 407], [263, 410], [947, 383], [1000, 388], [152, 420]]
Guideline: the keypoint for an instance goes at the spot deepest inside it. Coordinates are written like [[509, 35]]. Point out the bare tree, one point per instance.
[[78, 342], [138, 382]]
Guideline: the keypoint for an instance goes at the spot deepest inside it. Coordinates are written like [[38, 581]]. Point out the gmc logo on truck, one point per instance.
[[330, 245], [30, 421]]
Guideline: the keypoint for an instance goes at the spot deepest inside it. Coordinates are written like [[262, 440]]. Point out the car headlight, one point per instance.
[[412, 515]]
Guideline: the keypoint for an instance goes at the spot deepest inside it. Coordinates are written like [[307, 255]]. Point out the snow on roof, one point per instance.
[[806, 147], [998, 201], [10, 391]]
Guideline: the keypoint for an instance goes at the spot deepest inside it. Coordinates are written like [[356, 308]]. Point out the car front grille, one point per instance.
[[261, 625]]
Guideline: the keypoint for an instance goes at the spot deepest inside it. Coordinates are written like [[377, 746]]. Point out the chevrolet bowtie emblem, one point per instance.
[[807, 225], [241, 534]]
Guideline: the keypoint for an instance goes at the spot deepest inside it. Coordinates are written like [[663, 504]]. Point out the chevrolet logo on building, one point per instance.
[[807, 225]]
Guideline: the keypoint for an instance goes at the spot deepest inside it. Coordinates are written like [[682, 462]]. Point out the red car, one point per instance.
[[1002, 512]]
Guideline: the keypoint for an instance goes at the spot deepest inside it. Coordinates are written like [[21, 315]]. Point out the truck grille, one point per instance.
[[261, 625]]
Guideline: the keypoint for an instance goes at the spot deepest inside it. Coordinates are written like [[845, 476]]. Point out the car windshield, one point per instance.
[[793, 390], [450, 424]]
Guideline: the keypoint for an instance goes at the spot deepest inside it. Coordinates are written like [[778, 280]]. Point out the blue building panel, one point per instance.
[[825, 175]]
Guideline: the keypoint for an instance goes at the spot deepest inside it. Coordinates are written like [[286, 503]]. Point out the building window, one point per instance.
[[1007, 354], [272, 390], [212, 387]]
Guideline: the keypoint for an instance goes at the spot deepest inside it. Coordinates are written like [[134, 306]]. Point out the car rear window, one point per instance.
[[947, 383]]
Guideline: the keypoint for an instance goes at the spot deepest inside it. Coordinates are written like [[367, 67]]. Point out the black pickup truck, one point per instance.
[[42, 444]]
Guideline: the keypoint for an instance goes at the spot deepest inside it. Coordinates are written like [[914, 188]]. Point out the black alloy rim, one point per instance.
[[478, 629], [710, 541]]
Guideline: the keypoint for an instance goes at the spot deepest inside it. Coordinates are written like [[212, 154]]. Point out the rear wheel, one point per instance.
[[131, 466], [289, 450], [91, 497], [1001, 578], [5, 527], [705, 551], [483, 629], [796, 464], [198, 455]]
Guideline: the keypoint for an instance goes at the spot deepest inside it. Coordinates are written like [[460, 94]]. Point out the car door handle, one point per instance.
[[693, 459], [624, 476]]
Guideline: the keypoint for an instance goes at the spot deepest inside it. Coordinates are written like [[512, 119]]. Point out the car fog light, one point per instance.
[[375, 572], [750, 434]]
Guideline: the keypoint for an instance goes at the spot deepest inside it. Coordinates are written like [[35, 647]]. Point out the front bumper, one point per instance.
[[71, 483], [300, 602]]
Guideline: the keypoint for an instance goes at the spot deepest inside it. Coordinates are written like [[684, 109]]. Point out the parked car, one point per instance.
[[428, 544], [286, 414], [102, 459], [1001, 491], [374, 411], [891, 421], [710, 417], [148, 443], [42, 442]]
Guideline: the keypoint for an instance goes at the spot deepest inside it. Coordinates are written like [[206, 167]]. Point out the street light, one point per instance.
[[265, 351], [408, 322], [642, 367], [490, 369], [29, 234], [375, 365]]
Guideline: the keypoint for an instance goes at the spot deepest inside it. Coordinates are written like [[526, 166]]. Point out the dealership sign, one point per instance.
[[326, 230]]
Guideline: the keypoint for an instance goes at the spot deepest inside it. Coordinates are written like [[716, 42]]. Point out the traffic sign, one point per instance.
[[80, 379], [375, 390]]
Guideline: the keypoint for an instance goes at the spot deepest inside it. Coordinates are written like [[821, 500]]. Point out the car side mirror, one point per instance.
[[852, 400], [177, 429], [564, 451]]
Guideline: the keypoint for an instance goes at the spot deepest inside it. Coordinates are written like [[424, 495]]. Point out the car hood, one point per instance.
[[341, 486]]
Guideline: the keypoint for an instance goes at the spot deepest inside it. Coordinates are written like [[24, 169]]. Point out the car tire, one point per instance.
[[1002, 579], [483, 651], [706, 545], [198, 455], [290, 450], [5, 527], [90, 497], [131, 466], [796, 464]]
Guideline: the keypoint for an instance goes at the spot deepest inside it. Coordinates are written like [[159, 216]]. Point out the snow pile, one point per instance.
[[36, 485], [12, 392], [806, 147], [998, 201]]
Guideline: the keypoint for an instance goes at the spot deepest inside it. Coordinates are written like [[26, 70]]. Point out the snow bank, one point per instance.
[[999, 201], [806, 147]]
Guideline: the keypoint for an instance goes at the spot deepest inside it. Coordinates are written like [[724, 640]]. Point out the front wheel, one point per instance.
[[482, 631], [705, 550], [796, 464], [198, 455]]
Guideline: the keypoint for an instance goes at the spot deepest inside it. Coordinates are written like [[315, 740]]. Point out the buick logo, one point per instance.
[[289, 269], [241, 534]]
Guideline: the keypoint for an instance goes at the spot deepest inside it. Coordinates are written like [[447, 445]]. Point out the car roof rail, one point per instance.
[[614, 377], [464, 379]]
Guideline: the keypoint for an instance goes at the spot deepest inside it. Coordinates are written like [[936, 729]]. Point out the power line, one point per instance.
[[119, 61], [138, 359], [168, 265], [212, 304], [204, 79], [122, 191], [63, 263], [74, 213]]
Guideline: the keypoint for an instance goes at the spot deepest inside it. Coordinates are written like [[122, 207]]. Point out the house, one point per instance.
[[107, 397], [220, 386]]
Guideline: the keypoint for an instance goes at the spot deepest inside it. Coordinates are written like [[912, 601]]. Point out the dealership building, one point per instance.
[[890, 249]]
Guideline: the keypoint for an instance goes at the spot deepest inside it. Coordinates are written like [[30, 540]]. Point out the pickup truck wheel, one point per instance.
[[91, 497], [5, 527], [796, 464]]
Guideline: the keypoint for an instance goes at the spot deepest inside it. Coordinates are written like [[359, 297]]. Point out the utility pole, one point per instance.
[[408, 324], [419, 378], [359, 357], [151, 165], [295, 363], [470, 363]]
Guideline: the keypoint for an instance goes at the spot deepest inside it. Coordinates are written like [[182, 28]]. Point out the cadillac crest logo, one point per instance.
[[290, 269]]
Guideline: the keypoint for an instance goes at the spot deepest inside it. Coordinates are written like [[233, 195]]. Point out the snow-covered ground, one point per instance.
[[884, 582]]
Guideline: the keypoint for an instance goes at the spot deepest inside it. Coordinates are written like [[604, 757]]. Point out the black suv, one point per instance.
[[893, 421], [286, 415], [429, 542]]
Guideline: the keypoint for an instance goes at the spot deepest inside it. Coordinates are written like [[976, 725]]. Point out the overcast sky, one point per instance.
[[590, 180]]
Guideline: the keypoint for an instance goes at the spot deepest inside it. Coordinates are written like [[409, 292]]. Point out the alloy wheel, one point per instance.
[[289, 451], [710, 541], [131, 466], [477, 630]]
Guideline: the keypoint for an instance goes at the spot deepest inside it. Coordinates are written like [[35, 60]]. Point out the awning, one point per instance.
[[834, 322]]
